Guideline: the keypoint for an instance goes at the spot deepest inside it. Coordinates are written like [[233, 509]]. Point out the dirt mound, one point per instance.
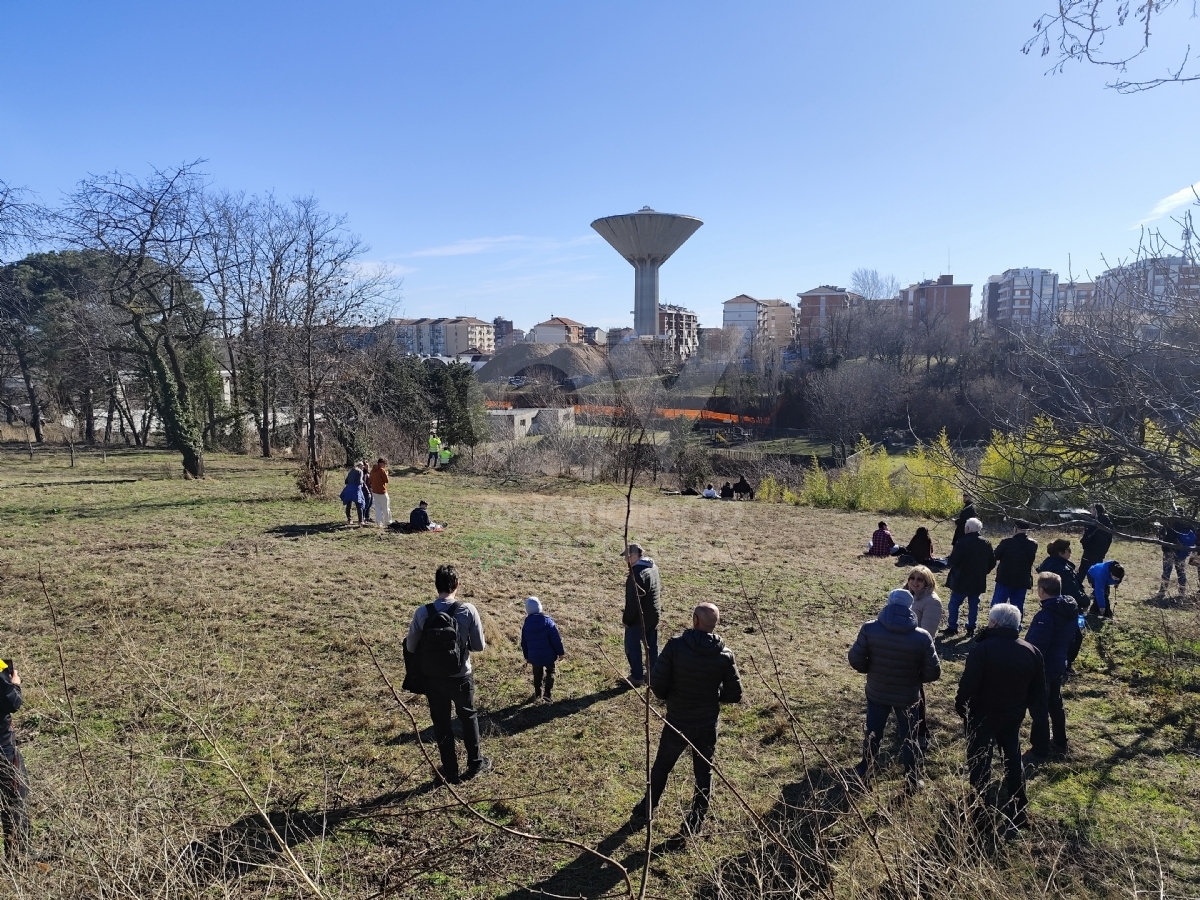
[[571, 360]]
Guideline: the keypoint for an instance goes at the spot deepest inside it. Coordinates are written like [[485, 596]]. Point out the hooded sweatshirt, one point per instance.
[[896, 657], [1052, 630], [695, 673]]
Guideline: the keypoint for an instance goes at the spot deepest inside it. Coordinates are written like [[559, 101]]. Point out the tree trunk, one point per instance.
[[112, 408], [89, 417], [181, 429], [35, 413], [312, 433], [264, 430]]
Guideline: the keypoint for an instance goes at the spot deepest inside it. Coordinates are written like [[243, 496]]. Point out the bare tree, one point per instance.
[[1115, 34], [849, 401], [148, 232]]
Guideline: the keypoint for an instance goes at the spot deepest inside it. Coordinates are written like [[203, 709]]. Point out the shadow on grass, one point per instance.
[[248, 844], [517, 717], [298, 531]]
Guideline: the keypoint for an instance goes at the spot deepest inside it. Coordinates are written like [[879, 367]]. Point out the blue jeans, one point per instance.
[[956, 600], [1006, 594], [906, 730], [633, 650]]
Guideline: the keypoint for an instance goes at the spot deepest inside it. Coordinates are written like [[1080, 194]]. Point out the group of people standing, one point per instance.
[[366, 490], [694, 674]]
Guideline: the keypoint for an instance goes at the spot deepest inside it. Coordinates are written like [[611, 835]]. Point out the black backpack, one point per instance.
[[440, 651]]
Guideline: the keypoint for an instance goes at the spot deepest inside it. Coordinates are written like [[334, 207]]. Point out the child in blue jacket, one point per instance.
[[542, 647]]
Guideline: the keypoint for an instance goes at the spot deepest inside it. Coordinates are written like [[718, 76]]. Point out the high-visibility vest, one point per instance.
[[435, 443]]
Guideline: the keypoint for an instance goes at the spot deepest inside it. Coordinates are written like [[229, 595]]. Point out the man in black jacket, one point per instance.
[[960, 521], [1015, 557], [14, 780], [1002, 678], [1096, 540], [643, 606], [694, 675], [969, 563], [897, 657]]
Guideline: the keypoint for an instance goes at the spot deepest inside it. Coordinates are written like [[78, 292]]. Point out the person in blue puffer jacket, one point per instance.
[[542, 647], [1104, 577], [1052, 631]]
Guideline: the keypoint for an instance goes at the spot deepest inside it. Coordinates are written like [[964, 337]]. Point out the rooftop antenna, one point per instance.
[[646, 239]]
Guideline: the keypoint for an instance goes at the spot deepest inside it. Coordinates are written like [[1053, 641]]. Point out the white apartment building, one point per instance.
[[558, 330], [1026, 296], [1156, 284], [770, 321], [681, 329], [445, 337]]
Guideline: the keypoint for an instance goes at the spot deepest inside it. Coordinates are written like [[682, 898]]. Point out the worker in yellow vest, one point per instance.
[[445, 455], [435, 447]]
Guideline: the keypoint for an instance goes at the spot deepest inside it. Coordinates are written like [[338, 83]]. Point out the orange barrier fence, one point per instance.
[[702, 415]]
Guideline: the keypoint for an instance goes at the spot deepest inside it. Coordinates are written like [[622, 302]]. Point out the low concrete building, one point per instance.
[[513, 424]]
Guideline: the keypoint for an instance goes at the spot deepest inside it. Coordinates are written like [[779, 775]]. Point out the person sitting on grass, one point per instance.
[[727, 491], [542, 647], [742, 489], [418, 519], [882, 543], [1104, 577], [710, 493]]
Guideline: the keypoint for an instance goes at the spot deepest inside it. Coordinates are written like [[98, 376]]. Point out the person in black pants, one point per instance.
[[464, 629], [1052, 631], [14, 780], [1003, 677], [694, 674], [1058, 561], [1094, 544]]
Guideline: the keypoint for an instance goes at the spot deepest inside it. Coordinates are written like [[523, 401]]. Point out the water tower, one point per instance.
[[646, 239]]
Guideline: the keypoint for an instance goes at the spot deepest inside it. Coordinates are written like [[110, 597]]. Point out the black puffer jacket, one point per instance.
[[1015, 556], [1052, 631], [695, 673], [960, 523], [1003, 677], [643, 583], [896, 657], [1064, 569], [970, 561], [10, 702], [1097, 539]]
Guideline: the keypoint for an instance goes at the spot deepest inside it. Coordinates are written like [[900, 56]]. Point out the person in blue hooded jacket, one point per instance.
[[1178, 538], [542, 647], [897, 657], [1052, 631], [1104, 578]]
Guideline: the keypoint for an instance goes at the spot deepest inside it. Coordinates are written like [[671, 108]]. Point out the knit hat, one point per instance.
[[534, 605], [900, 597]]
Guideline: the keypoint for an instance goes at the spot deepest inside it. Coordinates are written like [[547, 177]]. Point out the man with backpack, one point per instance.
[[441, 637]]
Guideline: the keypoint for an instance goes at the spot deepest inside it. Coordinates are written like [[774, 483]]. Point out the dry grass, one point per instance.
[[210, 633]]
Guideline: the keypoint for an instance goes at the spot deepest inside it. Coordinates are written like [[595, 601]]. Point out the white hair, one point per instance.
[[1004, 615], [973, 526]]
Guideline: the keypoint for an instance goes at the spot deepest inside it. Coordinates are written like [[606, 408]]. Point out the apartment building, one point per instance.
[[1156, 284], [558, 330], [1075, 295], [681, 329], [1022, 297], [936, 299], [769, 321], [445, 337], [817, 307]]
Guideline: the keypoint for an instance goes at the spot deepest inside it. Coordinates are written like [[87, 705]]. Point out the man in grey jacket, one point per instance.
[[897, 657], [695, 674], [457, 687], [643, 606]]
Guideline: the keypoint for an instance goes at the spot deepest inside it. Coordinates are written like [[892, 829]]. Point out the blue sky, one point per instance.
[[471, 144]]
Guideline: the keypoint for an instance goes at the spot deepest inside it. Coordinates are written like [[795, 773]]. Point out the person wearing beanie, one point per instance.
[[542, 647], [898, 658]]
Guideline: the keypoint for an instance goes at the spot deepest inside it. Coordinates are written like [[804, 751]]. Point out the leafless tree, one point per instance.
[[1116, 34], [849, 401], [148, 233]]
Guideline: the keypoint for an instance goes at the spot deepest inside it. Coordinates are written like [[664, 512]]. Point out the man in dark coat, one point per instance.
[[1096, 540], [897, 657], [14, 780], [960, 521], [695, 674], [1058, 561], [969, 563], [643, 606], [1015, 557], [1053, 631], [1003, 677]]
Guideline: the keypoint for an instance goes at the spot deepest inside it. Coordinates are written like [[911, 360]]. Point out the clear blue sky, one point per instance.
[[472, 143]]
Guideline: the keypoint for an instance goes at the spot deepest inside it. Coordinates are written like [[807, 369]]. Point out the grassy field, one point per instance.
[[215, 680]]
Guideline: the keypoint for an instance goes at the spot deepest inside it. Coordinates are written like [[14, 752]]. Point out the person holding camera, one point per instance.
[[14, 780]]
